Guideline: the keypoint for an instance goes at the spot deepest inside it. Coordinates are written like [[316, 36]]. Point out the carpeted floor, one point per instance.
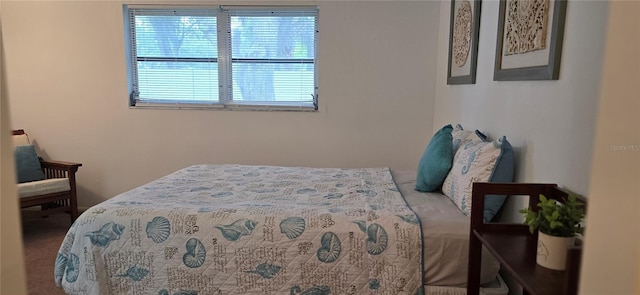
[[42, 238]]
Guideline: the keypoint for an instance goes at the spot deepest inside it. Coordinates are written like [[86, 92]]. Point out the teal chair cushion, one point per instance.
[[27, 164]]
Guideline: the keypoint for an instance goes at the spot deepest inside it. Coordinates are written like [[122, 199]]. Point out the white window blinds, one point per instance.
[[224, 56]]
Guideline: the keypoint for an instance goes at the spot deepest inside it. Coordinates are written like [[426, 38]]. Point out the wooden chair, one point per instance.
[[52, 194]]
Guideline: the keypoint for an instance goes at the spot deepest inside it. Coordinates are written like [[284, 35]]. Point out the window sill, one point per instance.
[[295, 107]]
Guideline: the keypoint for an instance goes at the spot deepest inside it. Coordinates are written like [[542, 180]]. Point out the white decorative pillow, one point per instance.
[[473, 162], [463, 137]]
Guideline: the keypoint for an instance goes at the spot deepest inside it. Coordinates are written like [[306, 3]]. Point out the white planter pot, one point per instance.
[[552, 251]]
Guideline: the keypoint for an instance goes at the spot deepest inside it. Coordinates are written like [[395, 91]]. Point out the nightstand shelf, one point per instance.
[[514, 247]]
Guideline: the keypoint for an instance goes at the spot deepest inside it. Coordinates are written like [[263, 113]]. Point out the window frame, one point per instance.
[[224, 61]]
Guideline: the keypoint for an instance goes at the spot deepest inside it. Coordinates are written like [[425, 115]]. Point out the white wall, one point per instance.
[[66, 72], [549, 123], [612, 240]]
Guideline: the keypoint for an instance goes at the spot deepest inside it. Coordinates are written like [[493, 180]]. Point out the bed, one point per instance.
[[237, 229]]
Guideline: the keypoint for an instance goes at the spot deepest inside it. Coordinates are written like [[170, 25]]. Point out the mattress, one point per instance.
[[234, 229], [445, 233]]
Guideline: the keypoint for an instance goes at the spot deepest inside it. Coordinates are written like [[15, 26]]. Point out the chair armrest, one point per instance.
[[60, 165], [60, 169]]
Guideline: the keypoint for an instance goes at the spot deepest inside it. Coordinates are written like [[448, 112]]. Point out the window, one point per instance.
[[222, 57]]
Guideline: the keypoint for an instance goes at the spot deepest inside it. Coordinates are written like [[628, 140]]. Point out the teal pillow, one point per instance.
[[502, 172], [436, 161], [27, 164]]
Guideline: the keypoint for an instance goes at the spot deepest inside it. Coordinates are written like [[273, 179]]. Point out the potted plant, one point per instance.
[[557, 225]]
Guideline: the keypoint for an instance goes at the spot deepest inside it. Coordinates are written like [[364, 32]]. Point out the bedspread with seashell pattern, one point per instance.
[[237, 229]]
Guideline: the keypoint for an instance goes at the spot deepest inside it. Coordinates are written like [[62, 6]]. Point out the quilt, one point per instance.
[[238, 229]]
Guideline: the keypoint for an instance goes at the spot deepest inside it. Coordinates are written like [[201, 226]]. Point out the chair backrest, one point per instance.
[[20, 138]]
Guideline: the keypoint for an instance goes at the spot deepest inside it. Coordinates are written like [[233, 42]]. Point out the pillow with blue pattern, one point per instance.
[[463, 137], [480, 162]]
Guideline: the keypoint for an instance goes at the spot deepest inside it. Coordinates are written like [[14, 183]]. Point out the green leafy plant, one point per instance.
[[556, 219]]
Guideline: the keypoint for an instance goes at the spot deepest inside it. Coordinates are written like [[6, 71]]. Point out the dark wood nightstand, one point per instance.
[[515, 247]]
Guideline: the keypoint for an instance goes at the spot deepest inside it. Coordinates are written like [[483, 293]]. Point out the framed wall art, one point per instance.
[[529, 41], [463, 41]]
